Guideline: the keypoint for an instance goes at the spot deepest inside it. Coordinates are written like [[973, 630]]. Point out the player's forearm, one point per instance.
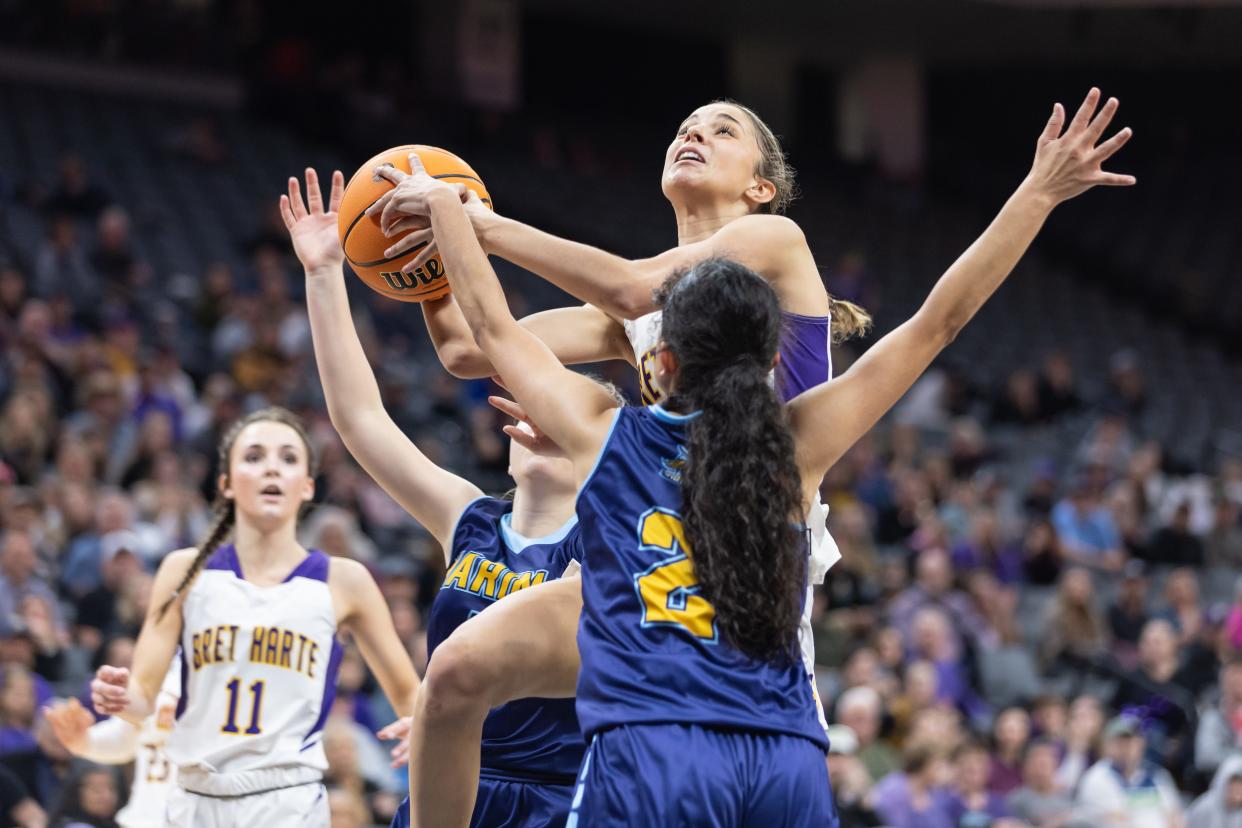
[[475, 286], [111, 742], [978, 272], [460, 355], [349, 385], [140, 705], [615, 285]]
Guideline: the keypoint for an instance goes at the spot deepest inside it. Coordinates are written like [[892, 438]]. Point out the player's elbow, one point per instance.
[[464, 361], [631, 298]]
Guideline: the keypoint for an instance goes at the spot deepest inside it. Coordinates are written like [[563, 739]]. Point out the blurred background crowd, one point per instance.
[[1037, 619]]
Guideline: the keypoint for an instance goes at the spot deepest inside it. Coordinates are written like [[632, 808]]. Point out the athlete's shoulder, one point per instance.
[[178, 562], [347, 573], [765, 228]]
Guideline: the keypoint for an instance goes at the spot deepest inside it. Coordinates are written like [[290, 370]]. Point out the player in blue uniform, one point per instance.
[[690, 692], [494, 548]]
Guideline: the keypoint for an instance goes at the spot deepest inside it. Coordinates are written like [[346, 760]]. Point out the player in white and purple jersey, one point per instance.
[[258, 622]]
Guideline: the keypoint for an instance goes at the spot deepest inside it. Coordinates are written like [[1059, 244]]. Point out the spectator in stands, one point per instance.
[[17, 806], [1233, 622], [25, 433], [1010, 733], [113, 259], [851, 784], [985, 547], [1126, 790], [1182, 607], [1175, 543], [1154, 694], [1019, 404], [1086, 529], [933, 587], [1127, 386], [1040, 802], [18, 705], [19, 578], [1219, 733], [1221, 805], [61, 267], [118, 564], [933, 642], [862, 710], [1042, 557], [1222, 548], [973, 804], [1057, 392], [1074, 631], [75, 195], [917, 796], [91, 798], [1082, 732], [1127, 615]]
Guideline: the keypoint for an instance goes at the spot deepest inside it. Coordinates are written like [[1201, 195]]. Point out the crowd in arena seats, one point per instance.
[[1009, 639]]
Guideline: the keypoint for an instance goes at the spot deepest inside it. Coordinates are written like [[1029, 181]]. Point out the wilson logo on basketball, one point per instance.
[[422, 277]]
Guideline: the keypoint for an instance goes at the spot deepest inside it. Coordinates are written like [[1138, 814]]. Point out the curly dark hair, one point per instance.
[[741, 491]]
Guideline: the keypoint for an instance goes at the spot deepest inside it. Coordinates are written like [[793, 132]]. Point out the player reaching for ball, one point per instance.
[[689, 693], [727, 179], [258, 622], [494, 548]]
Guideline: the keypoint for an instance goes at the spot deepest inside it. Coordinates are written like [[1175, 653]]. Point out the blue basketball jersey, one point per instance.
[[651, 651], [529, 739]]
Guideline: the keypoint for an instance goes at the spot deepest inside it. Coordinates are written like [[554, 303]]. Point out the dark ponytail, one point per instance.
[[742, 494], [226, 513]]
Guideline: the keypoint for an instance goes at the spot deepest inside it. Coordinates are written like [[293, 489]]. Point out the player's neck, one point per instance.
[[538, 514], [698, 221], [265, 554]]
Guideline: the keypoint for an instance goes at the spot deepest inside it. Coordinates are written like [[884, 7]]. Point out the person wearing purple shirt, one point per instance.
[[915, 797], [934, 587], [973, 805]]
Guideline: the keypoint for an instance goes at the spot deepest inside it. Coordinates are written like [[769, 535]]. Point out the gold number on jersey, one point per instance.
[[668, 589], [158, 766], [256, 704]]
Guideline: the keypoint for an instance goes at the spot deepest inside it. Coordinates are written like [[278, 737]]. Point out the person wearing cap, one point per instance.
[[1125, 790], [849, 778], [1221, 805]]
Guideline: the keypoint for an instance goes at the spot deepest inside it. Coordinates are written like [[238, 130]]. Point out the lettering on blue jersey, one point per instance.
[[668, 589], [285, 649], [487, 579], [214, 645], [646, 377], [670, 467]]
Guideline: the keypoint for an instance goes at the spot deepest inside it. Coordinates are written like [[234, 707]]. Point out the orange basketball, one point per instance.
[[365, 243]]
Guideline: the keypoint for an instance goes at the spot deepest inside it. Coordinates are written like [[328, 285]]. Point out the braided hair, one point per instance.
[[224, 508], [741, 490]]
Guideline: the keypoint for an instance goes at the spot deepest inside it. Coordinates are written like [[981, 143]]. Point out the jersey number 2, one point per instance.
[[668, 591], [256, 703]]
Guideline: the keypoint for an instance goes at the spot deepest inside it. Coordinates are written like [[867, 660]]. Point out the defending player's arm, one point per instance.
[[131, 694], [830, 418], [575, 335], [365, 615], [572, 410], [771, 245], [434, 497]]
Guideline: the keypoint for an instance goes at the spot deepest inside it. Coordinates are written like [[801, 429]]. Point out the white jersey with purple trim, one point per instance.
[[154, 774], [258, 667], [644, 336]]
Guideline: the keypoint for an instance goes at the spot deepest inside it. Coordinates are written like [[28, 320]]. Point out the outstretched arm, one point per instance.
[[434, 497], [569, 408], [574, 335], [828, 419], [622, 288]]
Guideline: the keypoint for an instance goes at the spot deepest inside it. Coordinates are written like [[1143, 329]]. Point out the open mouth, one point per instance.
[[271, 491], [689, 155]]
